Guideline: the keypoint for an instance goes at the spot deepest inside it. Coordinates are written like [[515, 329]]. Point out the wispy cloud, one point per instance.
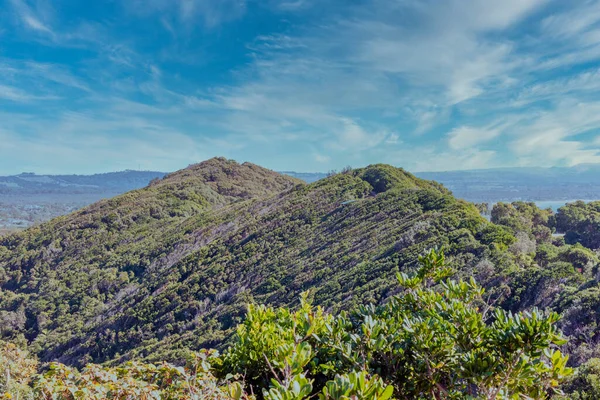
[[31, 18], [555, 136], [467, 136], [15, 94], [425, 84], [193, 13], [90, 141]]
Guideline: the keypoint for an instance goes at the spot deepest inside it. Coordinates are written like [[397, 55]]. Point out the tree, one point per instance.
[[585, 384], [580, 222]]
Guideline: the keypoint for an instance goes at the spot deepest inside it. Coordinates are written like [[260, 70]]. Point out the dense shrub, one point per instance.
[[436, 339], [16, 371], [585, 384], [580, 222], [172, 266], [431, 341]]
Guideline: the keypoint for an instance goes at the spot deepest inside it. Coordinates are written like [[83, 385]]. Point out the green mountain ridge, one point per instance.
[[171, 267]]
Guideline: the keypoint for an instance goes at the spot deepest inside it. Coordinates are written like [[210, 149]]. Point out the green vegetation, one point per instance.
[[152, 274], [16, 372], [585, 384], [525, 217], [580, 222], [436, 339], [555, 275], [168, 268]]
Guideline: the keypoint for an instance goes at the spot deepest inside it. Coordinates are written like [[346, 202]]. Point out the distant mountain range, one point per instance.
[[32, 183], [28, 198], [511, 184]]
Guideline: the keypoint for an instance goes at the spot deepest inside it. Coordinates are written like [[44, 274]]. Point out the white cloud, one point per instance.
[[445, 161], [393, 138], [467, 136], [53, 73], [213, 12], [427, 157], [17, 95], [576, 23], [320, 158], [88, 141], [581, 84], [551, 137], [446, 45], [292, 5], [358, 84], [189, 12], [29, 18], [353, 136], [35, 24], [549, 150], [14, 94]]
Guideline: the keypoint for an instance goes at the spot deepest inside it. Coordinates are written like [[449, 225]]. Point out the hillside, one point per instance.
[[172, 266], [158, 271]]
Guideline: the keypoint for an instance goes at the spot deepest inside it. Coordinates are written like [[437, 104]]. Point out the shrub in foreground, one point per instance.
[[436, 339]]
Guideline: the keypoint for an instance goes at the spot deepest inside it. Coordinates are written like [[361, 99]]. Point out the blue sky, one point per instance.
[[306, 85]]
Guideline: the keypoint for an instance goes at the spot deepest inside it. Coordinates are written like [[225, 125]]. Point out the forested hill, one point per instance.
[[171, 267]]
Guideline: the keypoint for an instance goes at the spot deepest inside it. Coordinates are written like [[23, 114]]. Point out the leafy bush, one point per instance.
[[16, 372], [431, 341], [580, 222], [137, 381], [436, 339], [585, 384]]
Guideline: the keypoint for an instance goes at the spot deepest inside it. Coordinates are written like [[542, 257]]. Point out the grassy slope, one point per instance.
[[172, 266]]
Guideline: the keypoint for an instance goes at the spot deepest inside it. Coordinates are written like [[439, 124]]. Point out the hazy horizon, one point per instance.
[[109, 171]]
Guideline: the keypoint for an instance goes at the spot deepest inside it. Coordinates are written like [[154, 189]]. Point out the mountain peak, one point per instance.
[[230, 178], [384, 177]]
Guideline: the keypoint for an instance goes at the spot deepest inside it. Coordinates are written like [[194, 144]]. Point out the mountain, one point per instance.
[[158, 271], [27, 198], [30, 183], [172, 266]]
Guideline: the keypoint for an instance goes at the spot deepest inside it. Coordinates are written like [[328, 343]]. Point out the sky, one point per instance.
[[304, 85]]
